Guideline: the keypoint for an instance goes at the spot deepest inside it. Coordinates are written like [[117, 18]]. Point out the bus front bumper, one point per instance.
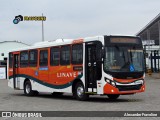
[[123, 89]]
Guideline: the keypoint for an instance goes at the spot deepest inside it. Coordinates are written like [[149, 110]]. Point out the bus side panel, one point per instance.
[[41, 88], [61, 78], [27, 73], [63, 74]]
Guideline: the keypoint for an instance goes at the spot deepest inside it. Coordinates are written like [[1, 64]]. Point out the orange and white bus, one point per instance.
[[100, 65]]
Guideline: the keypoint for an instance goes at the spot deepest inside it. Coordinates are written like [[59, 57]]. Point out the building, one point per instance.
[[5, 47], [150, 36]]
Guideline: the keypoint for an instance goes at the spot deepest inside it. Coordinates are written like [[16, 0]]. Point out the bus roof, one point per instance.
[[56, 42], [59, 42]]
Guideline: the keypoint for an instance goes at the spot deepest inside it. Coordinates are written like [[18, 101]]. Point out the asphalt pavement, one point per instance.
[[15, 100]]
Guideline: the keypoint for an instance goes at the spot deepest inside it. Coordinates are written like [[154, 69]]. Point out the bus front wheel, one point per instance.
[[28, 89], [113, 96], [80, 92]]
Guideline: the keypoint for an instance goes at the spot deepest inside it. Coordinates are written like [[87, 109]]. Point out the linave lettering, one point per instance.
[[69, 74]]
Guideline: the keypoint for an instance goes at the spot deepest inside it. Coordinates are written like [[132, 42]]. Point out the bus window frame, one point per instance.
[[10, 60], [43, 50], [22, 65], [76, 62], [36, 60], [62, 61], [51, 55]]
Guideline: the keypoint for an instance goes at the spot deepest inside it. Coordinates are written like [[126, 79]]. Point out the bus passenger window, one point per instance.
[[33, 58], [24, 59], [10, 60], [77, 54], [65, 55], [55, 55], [43, 58]]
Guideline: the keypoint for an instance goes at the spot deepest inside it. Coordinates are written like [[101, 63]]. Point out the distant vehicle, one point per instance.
[[101, 65]]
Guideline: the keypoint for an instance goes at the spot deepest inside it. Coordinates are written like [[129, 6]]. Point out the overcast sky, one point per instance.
[[74, 18]]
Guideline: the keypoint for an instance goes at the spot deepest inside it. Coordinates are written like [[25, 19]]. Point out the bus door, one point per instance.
[[16, 82], [92, 66]]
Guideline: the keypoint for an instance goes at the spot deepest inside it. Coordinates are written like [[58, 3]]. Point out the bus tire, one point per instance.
[[113, 96], [80, 92], [28, 89]]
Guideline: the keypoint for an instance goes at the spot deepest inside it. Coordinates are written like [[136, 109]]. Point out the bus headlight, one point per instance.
[[107, 80], [111, 82], [139, 82]]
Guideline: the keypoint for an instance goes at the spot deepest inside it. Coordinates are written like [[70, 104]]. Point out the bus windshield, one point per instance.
[[123, 59]]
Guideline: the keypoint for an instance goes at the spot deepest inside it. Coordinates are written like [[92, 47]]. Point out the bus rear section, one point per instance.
[[13, 79], [103, 65]]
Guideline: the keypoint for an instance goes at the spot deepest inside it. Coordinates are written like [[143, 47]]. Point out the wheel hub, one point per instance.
[[80, 91]]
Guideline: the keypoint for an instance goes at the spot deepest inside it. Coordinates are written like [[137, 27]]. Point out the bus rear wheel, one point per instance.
[[28, 89], [113, 96], [80, 92]]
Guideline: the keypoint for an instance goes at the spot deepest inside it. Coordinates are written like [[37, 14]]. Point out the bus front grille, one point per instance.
[[129, 87]]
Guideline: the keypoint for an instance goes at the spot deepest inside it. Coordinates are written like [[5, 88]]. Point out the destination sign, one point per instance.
[[123, 40]]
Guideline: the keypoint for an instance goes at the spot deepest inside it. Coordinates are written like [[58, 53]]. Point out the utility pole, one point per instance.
[[42, 30], [159, 32], [159, 45]]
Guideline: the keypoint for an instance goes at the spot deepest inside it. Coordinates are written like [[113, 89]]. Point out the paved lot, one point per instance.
[[14, 100]]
